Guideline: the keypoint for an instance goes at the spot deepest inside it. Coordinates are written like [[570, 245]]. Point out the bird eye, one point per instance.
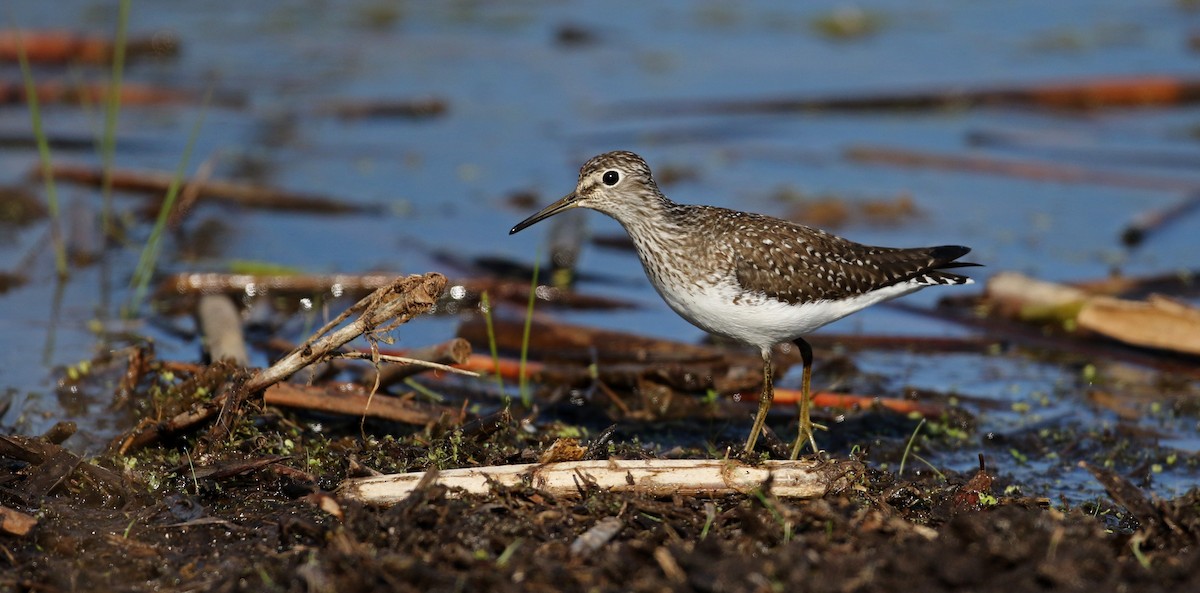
[[611, 177]]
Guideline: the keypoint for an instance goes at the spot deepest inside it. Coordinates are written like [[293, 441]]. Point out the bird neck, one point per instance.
[[656, 217]]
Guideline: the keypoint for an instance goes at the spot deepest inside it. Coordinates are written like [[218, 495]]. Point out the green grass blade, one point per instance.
[[112, 109], [35, 114], [486, 306], [146, 264], [908, 447], [526, 396]]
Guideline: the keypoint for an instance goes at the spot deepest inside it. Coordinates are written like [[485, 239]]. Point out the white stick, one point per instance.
[[658, 477]]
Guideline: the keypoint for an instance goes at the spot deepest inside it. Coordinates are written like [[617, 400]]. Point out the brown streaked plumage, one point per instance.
[[750, 277]]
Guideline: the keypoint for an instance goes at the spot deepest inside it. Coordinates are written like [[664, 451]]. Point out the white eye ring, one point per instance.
[[611, 177]]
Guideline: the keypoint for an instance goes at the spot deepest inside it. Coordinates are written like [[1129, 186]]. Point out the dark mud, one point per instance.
[[260, 512]]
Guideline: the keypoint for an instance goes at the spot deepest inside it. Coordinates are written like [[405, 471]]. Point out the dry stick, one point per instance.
[[61, 431], [1156, 322], [221, 329], [616, 375], [1054, 144], [1153, 220], [247, 195], [451, 352], [1132, 91], [590, 541], [1038, 170], [229, 407], [62, 47], [518, 292], [507, 368], [849, 401], [379, 108], [335, 399], [655, 477], [1130, 496], [237, 284], [586, 344], [404, 360], [140, 357], [1017, 296], [382, 310], [55, 92]]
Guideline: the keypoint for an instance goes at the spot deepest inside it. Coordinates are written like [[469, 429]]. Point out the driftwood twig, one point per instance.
[[1023, 169], [658, 477], [381, 311], [247, 195], [378, 312], [337, 400]]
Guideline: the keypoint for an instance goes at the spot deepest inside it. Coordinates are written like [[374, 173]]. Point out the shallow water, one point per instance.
[[525, 111]]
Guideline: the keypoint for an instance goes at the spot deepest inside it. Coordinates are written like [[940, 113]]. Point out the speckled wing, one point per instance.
[[796, 264]]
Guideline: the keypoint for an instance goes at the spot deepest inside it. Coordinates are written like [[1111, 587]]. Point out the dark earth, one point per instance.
[[258, 510]]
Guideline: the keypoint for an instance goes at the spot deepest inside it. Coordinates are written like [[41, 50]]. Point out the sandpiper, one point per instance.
[[753, 278]]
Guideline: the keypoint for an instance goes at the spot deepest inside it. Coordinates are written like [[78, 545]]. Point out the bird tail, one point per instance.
[[943, 259]]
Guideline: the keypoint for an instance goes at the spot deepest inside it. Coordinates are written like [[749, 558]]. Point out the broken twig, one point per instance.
[[380, 311]]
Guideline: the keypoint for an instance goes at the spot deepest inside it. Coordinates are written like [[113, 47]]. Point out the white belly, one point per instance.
[[762, 321]]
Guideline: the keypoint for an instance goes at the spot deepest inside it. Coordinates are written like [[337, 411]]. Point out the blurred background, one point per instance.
[[441, 124]]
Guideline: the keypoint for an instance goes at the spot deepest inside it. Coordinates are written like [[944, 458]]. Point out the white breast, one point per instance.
[[763, 321]]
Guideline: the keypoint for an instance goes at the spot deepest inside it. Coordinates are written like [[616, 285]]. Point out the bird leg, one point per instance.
[[806, 425], [764, 400]]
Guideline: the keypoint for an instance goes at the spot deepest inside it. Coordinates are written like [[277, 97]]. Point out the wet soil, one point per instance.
[[260, 512]]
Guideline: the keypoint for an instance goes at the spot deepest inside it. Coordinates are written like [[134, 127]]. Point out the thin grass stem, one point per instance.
[[908, 447], [43, 145], [146, 264], [112, 109], [526, 396], [485, 305]]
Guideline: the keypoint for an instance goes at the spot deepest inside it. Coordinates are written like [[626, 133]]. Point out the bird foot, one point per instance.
[[805, 436]]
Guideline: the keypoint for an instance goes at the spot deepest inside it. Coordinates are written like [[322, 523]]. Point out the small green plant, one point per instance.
[[908, 447], [523, 387], [485, 305], [47, 165], [908, 452], [767, 504], [192, 469], [710, 517], [129, 528], [931, 467], [503, 559], [1135, 546], [146, 264], [423, 390], [112, 108]]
